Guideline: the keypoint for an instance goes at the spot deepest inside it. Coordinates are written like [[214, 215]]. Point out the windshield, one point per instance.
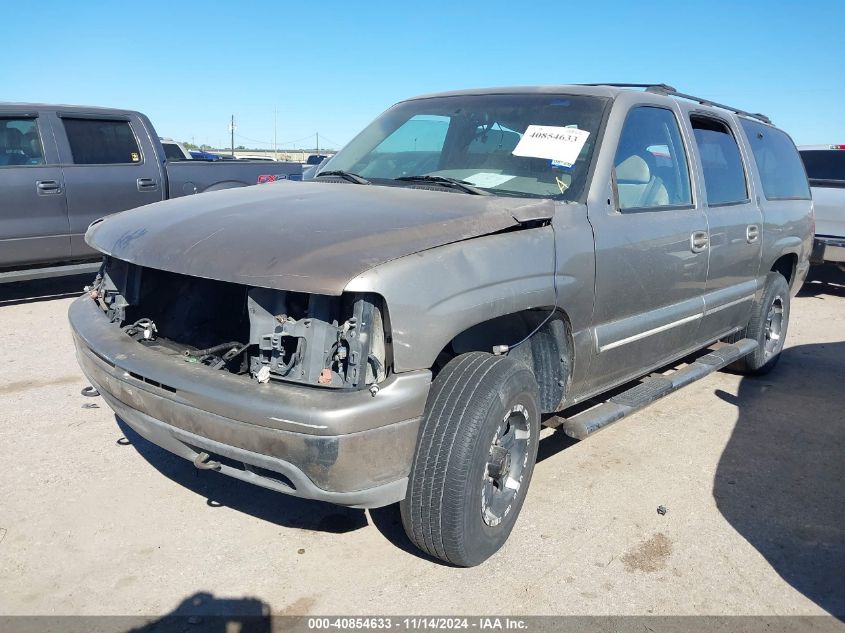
[[533, 145]]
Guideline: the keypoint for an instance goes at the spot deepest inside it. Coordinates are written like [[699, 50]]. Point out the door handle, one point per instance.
[[698, 241], [47, 187], [752, 233], [147, 184]]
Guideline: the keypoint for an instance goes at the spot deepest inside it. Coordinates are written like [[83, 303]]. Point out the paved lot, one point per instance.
[[95, 520]]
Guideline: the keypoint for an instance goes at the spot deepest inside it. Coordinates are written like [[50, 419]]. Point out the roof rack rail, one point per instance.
[[665, 89]]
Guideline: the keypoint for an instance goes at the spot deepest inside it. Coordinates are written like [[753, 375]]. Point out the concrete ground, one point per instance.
[[95, 520]]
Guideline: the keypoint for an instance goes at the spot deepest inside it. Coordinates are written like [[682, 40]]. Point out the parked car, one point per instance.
[[315, 159], [471, 266], [62, 167], [174, 150], [825, 166], [200, 154], [309, 171]]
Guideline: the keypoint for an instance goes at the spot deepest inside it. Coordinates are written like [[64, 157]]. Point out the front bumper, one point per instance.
[[346, 447], [828, 249]]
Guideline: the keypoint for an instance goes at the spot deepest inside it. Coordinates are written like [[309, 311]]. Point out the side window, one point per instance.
[[20, 143], [780, 167], [651, 164], [101, 142], [721, 162]]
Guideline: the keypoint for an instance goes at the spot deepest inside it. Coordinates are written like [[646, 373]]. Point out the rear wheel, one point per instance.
[[475, 456], [768, 324]]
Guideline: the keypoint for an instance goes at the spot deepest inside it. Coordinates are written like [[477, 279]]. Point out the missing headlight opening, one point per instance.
[[259, 333]]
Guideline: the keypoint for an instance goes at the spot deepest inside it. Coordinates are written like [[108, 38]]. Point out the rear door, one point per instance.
[[33, 212], [111, 165], [651, 252], [735, 220]]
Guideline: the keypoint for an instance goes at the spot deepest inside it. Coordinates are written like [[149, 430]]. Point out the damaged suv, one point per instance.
[[470, 267]]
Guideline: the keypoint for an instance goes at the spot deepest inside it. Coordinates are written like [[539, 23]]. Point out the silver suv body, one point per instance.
[[470, 264]]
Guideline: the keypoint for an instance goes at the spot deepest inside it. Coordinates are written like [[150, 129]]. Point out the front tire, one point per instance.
[[768, 324], [475, 456]]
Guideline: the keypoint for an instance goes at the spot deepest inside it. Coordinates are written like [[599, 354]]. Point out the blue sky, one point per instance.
[[330, 67]]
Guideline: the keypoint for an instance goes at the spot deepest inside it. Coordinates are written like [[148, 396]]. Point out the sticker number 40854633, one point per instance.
[[561, 144]]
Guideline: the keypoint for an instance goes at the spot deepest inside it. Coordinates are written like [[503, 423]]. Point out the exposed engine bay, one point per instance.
[[259, 333]]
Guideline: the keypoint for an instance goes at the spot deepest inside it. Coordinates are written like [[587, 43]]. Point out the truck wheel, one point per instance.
[[475, 454], [769, 320]]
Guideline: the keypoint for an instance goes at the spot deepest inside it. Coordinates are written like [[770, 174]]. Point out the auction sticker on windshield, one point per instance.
[[562, 144]]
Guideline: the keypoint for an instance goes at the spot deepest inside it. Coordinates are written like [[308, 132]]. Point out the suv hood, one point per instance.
[[302, 236]]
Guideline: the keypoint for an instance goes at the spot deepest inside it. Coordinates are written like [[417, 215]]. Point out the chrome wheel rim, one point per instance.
[[506, 465], [773, 333]]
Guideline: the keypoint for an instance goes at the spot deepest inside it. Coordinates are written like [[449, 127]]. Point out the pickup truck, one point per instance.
[[825, 165], [62, 167], [470, 267]]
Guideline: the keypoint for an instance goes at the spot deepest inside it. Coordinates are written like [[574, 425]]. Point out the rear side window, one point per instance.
[[20, 143], [777, 161], [101, 142], [651, 164], [721, 162], [825, 166]]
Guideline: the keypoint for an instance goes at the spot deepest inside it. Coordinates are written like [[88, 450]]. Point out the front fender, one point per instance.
[[434, 295]]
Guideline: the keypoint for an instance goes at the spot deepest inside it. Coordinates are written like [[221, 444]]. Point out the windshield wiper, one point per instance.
[[358, 180], [463, 185]]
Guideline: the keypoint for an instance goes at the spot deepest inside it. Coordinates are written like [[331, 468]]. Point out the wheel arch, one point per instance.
[[225, 184], [785, 265], [549, 352], [784, 256]]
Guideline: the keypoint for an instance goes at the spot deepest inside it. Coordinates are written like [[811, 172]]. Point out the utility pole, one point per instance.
[[232, 130], [275, 148], [318, 142]]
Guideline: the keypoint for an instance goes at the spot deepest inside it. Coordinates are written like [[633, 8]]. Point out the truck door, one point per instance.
[[111, 165], [651, 253], [33, 212], [736, 225]]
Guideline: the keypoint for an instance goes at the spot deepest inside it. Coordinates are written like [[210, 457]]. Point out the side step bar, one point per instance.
[[30, 274], [650, 389]]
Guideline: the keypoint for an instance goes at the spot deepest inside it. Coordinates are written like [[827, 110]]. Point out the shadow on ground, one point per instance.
[[388, 520], [286, 511], [43, 289], [267, 505], [781, 479], [824, 280], [205, 613]]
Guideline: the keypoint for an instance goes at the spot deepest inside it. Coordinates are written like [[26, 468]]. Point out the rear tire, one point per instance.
[[475, 456], [768, 324]]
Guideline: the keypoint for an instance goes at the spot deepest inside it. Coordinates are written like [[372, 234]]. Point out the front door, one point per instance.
[[651, 253], [33, 212], [110, 166]]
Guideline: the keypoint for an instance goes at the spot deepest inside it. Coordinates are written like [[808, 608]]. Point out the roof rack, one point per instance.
[[665, 89]]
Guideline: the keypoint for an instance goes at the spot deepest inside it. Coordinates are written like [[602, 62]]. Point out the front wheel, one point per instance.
[[475, 455], [769, 320]]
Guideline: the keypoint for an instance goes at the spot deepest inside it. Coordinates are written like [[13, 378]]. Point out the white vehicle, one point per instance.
[[825, 166], [173, 150], [257, 157]]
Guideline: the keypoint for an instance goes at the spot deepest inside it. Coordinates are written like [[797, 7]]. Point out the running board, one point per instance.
[[650, 389], [49, 272]]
